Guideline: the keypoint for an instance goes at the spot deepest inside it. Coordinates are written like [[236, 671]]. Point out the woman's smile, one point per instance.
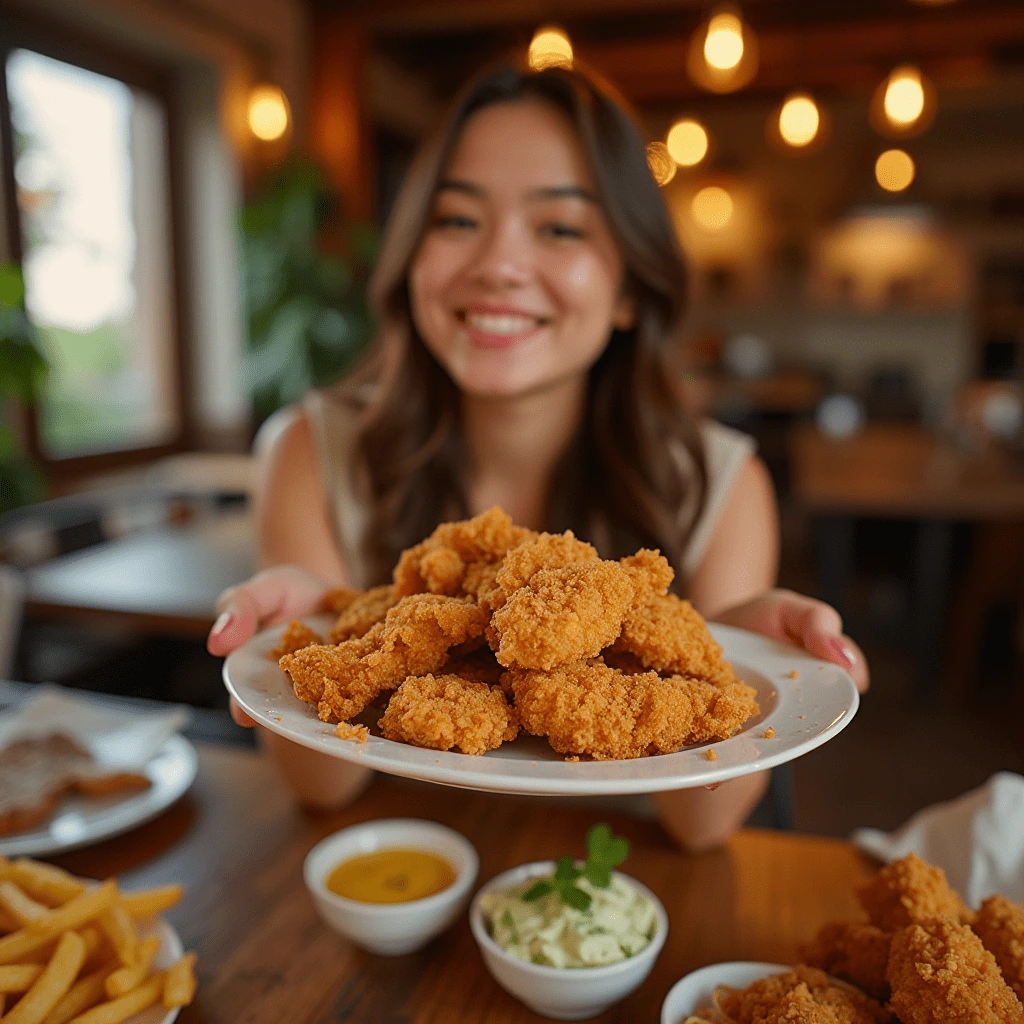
[[499, 326]]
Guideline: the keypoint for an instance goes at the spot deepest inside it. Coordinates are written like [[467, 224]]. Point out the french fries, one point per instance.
[[72, 952]]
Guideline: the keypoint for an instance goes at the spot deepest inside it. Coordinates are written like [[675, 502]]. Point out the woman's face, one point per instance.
[[517, 283]]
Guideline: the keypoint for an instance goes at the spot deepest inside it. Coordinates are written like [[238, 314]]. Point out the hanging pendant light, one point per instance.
[[722, 54], [549, 48], [904, 104]]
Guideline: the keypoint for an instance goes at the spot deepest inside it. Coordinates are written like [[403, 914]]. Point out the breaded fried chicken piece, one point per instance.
[[439, 564], [589, 708], [909, 891], [1000, 926], [363, 611], [446, 711], [756, 1003], [651, 574], [800, 1007], [336, 601], [294, 638], [562, 615], [414, 639], [855, 952], [668, 635], [940, 973], [542, 551]]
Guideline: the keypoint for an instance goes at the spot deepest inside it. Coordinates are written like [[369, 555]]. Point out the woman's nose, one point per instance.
[[504, 260]]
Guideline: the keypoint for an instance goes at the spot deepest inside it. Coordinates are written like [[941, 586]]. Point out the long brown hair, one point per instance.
[[635, 472]]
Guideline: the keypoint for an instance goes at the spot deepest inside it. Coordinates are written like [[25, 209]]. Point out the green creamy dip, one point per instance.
[[618, 924]]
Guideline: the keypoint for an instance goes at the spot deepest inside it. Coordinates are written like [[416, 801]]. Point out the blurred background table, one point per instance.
[[238, 842], [165, 579], [902, 471]]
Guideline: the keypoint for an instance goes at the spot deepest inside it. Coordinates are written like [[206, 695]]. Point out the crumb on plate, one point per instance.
[[793, 674], [711, 755], [575, 757], [769, 733], [356, 733]]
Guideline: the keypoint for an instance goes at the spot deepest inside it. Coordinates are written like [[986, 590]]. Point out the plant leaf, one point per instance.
[[537, 891], [566, 870], [617, 851], [599, 874], [598, 839], [574, 897]]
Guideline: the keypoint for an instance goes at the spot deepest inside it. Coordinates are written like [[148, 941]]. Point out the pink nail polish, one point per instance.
[[222, 623]]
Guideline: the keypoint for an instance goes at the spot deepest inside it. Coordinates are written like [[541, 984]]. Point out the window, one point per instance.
[[93, 228]]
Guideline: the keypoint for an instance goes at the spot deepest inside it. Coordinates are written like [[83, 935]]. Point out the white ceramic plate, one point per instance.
[[694, 992], [804, 711], [84, 820], [169, 951]]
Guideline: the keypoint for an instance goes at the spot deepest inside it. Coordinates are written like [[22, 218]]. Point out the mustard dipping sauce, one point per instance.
[[390, 876]]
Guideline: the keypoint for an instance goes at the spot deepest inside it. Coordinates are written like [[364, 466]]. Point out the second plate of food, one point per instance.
[[803, 704]]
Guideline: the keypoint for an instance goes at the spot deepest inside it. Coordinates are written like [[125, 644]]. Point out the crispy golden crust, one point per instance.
[[336, 601], [414, 639], [294, 638], [562, 615], [651, 575], [941, 973], [589, 708], [668, 635], [363, 612], [909, 891], [1000, 926], [854, 952], [542, 551], [355, 733], [440, 563], [446, 711], [802, 987]]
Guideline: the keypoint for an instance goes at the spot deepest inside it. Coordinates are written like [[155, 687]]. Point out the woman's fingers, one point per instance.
[[240, 717]]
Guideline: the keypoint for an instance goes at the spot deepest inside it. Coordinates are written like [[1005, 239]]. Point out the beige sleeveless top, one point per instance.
[[333, 426]]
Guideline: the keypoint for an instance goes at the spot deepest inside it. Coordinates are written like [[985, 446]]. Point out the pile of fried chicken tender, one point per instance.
[[489, 627], [923, 957]]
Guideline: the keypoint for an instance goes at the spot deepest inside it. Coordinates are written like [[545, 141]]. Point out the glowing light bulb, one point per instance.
[[799, 120], [662, 166], [712, 208], [904, 96], [723, 45], [687, 142], [549, 48], [894, 170], [268, 112]]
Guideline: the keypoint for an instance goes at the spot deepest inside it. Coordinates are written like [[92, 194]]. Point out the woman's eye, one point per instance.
[[560, 230], [456, 221]]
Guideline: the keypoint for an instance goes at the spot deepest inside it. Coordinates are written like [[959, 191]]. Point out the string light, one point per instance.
[[687, 142], [268, 112], [894, 170], [712, 208], [799, 120], [904, 96], [662, 166], [723, 45], [549, 48]]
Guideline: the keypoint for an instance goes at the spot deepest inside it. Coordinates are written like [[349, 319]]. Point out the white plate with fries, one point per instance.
[[75, 950], [83, 820], [804, 703]]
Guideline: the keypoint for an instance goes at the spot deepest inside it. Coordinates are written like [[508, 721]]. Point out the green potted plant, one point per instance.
[[22, 373], [305, 298]]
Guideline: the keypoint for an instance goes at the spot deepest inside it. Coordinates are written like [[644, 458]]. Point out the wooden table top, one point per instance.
[[166, 579], [903, 471], [238, 841]]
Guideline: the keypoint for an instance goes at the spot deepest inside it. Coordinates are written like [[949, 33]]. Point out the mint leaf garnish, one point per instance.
[[538, 891], [604, 852]]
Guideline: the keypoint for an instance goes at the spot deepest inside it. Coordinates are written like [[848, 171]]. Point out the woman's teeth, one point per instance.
[[489, 323]]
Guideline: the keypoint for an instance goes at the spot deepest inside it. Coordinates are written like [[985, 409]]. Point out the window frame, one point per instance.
[[92, 53]]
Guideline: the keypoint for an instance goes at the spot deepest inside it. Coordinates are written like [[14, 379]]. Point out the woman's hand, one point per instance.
[[271, 597], [810, 624]]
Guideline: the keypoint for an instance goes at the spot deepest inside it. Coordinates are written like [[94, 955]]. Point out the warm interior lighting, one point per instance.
[[268, 112], [723, 45], [799, 120], [662, 166], [687, 142], [712, 207], [894, 170], [549, 48], [904, 96]]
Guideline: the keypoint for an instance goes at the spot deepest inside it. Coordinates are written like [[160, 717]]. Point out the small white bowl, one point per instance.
[[696, 989], [561, 993], [391, 928]]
